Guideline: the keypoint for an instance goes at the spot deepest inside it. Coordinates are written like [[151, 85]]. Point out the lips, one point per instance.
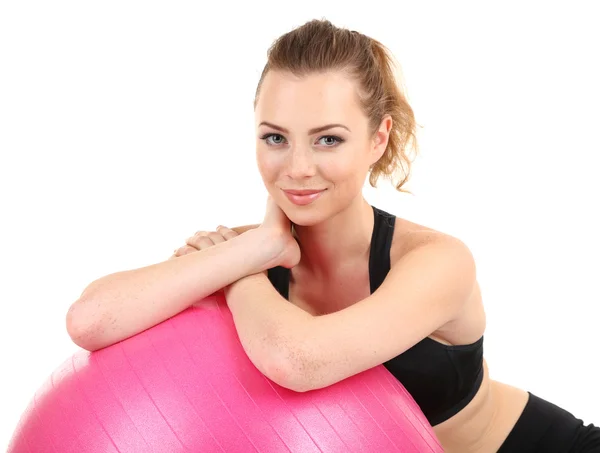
[[303, 197], [303, 192]]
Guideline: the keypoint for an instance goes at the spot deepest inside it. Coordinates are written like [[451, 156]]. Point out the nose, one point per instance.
[[300, 163]]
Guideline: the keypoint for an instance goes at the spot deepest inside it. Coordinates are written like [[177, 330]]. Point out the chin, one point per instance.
[[303, 221], [303, 217], [306, 216]]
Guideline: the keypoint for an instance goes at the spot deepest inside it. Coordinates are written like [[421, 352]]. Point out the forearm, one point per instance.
[[270, 328], [120, 305]]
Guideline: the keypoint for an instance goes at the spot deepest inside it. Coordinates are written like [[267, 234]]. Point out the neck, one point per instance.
[[341, 239]]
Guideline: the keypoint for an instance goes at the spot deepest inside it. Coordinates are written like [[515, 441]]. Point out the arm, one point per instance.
[[422, 292], [269, 326], [123, 304]]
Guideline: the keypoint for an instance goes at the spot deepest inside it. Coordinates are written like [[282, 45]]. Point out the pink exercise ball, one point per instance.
[[186, 385]]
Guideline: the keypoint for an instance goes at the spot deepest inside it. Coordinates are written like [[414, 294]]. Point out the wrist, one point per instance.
[[265, 249]]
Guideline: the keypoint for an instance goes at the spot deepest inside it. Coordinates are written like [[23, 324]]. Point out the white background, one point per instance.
[[127, 126]]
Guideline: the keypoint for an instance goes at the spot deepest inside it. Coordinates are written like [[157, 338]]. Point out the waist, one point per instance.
[[486, 421]]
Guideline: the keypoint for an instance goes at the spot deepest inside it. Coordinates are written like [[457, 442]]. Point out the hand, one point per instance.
[[204, 239], [277, 226]]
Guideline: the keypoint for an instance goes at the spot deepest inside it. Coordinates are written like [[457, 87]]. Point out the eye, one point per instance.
[[331, 140], [279, 139]]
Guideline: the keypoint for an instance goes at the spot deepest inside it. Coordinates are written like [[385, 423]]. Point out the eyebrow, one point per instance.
[[314, 130]]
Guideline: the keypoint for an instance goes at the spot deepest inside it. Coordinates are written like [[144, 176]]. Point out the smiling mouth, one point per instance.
[[303, 197], [303, 192]]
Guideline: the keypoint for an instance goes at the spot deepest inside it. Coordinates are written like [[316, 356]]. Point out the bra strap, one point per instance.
[[381, 244]]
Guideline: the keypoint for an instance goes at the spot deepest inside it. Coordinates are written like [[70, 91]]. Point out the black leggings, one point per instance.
[[545, 427]]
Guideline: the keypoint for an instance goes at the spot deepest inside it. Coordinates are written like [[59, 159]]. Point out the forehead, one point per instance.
[[286, 99]]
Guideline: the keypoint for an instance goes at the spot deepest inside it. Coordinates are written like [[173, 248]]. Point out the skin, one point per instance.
[[333, 327]]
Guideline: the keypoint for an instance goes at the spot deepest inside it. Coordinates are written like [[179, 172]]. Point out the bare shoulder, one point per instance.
[[470, 324], [409, 236]]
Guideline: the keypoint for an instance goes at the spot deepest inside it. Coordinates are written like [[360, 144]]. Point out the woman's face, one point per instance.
[[313, 136]]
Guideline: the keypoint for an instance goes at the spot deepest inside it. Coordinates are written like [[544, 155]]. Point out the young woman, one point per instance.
[[328, 285]]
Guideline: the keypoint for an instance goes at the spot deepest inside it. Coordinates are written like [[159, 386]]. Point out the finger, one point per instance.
[[201, 243], [198, 240], [227, 233], [185, 249], [217, 238]]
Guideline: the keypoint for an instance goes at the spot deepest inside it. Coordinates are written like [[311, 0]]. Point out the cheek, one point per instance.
[[342, 170], [267, 165]]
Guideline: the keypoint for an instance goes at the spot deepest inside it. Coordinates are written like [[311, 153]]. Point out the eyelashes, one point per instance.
[[337, 140]]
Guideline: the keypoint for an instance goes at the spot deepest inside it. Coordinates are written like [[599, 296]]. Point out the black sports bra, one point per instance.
[[442, 379]]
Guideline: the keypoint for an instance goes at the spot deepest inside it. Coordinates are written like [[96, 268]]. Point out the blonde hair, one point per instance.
[[320, 46]]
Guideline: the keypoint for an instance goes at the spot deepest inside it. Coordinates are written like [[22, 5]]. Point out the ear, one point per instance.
[[381, 138]]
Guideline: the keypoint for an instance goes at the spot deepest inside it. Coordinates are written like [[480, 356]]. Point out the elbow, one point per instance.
[[288, 368], [73, 322], [301, 386], [79, 327]]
